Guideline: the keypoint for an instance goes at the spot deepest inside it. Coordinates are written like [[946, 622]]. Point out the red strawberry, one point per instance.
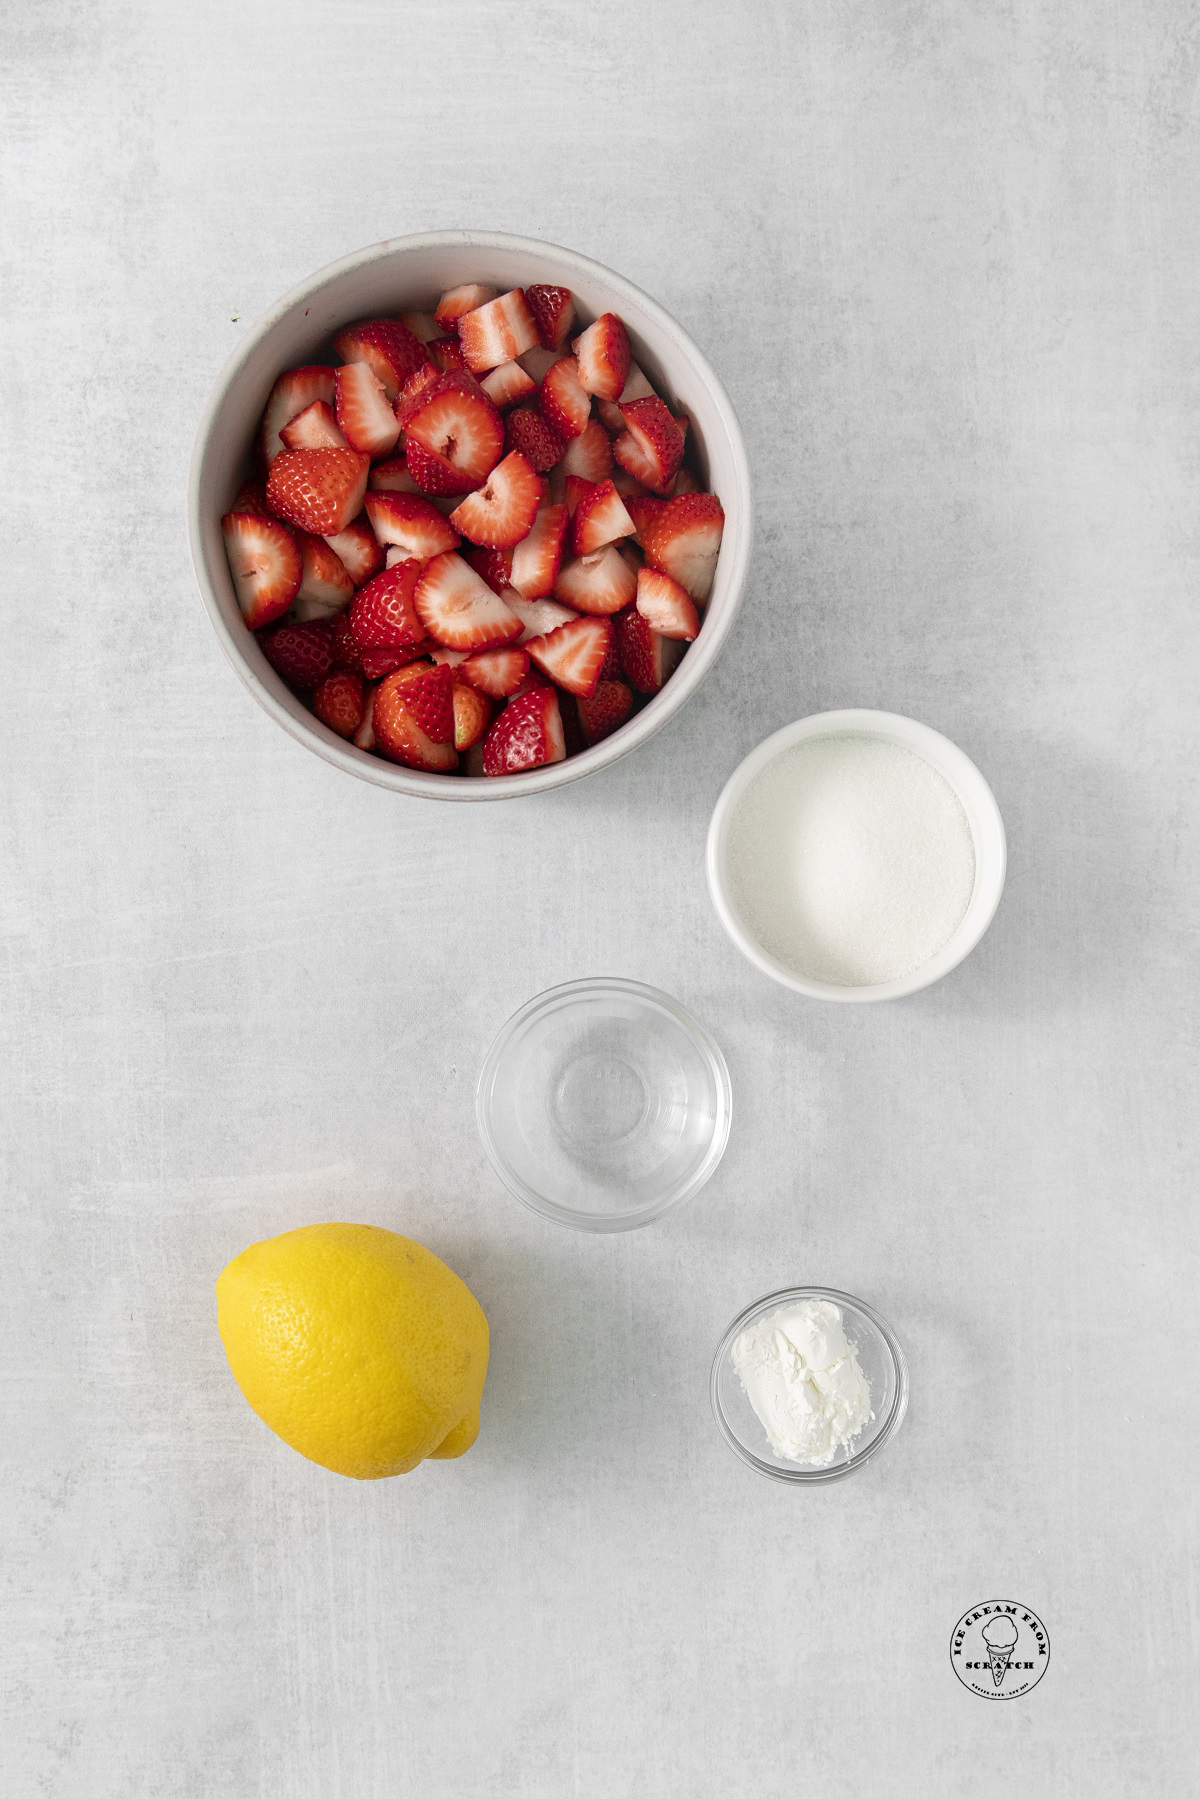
[[641, 509], [590, 454], [315, 428], [325, 584], [423, 326], [363, 414], [472, 715], [498, 332], [643, 652], [302, 654], [501, 512], [537, 440], [636, 388], [574, 655], [527, 734], [494, 565], [447, 354], [659, 439], [391, 476], [600, 583], [415, 392], [410, 522], [458, 608], [602, 352], [682, 540], [599, 518], [339, 702], [562, 400], [458, 423], [666, 607], [382, 614], [319, 490], [264, 560], [636, 463], [538, 617], [458, 300], [607, 708], [508, 384], [387, 346], [413, 718], [496, 672], [554, 310], [432, 474], [536, 559], [357, 549], [293, 391]]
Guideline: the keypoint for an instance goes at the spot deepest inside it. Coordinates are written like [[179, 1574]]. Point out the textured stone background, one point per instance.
[[945, 257]]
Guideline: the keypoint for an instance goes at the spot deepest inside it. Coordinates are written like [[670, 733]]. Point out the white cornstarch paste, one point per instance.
[[852, 860]]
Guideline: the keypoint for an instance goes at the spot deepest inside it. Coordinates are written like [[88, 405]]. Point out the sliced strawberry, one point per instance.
[[339, 702], [423, 326], [447, 354], [636, 462], [590, 454], [458, 608], [605, 711], [251, 497], [537, 558], [415, 392], [458, 423], [302, 654], [602, 352], [508, 384], [458, 300], [472, 715], [382, 614], [643, 652], [364, 416], [501, 512], [554, 310], [563, 403], [636, 388], [319, 490], [600, 583], [667, 607], [358, 550], [537, 440], [413, 718], [498, 332], [574, 655], [658, 438], [538, 617], [411, 523], [599, 518], [293, 391], [682, 540], [494, 565], [264, 560], [387, 346], [496, 672], [325, 584], [315, 428], [527, 734], [641, 509], [391, 476], [432, 474]]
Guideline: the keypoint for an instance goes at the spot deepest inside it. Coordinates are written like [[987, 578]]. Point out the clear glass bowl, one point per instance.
[[603, 1103], [879, 1355]]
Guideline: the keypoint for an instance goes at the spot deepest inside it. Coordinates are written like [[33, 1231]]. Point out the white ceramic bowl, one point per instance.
[[408, 273], [978, 802]]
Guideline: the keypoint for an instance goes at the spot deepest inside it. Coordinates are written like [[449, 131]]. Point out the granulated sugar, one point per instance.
[[852, 860]]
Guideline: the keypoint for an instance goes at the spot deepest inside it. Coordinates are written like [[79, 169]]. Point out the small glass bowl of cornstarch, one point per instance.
[[856, 855]]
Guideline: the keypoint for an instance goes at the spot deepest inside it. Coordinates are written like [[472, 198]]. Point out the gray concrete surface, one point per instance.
[[945, 258]]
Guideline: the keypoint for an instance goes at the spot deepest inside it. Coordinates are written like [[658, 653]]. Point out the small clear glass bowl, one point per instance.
[[879, 1356], [603, 1103]]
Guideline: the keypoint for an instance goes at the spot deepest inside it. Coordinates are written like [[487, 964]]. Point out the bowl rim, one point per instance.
[[694, 668], [603, 1222], [972, 791], [801, 1476]]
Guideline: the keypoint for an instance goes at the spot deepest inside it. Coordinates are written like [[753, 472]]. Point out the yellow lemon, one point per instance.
[[358, 1347]]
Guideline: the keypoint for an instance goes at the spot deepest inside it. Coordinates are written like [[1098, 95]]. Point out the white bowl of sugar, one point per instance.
[[856, 855]]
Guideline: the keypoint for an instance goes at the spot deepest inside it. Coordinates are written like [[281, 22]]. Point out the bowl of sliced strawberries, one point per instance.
[[470, 514]]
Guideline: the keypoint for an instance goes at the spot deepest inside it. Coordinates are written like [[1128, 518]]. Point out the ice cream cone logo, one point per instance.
[[1000, 1649], [1000, 1639]]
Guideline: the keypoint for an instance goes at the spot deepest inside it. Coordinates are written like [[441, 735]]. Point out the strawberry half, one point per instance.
[[527, 734], [501, 512], [494, 565], [641, 509], [459, 300], [564, 404], [496, 672], [357, 549], [498, 332], [339, 702], [508, 384], [643, 652], [605, 710], [413, 718], [537, 440], [411, 522], [457, 423], [325, 584], [458, 608], [319, 490], [472, 715], [293, 391], [575, 654], [636, 388], [315, 428], [537, 558], [387, 346], [667, 607], [382, 615], [599, 518], [302, 654], [590, 454], [415, 392], [554, 310], [264, 560], [659, 439], [600, 583], [602, 352], [682, 540], [364, 416]]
